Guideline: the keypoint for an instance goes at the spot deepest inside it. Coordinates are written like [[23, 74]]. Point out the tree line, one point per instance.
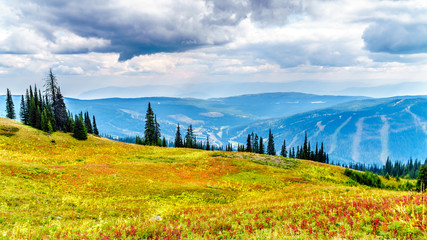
[[47, 112], [153, 137], [410, 170], [307, 152]]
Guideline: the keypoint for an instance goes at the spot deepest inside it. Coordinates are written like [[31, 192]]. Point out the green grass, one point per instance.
[[101, 189]]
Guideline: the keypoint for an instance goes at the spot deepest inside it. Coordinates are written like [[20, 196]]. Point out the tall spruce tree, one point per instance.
[[157, 134], [261, 146], [208, 146], [51, 87], [270, 144], [80, 131], [305, 152], [59, 110], [24, 111], [10, 107], [70, 124], [255, 144], [38, 118], [284, 152], [190, 139], [95, 128], [249, 143], [55, 99], [88, 123], [178, 138], [422, 178], [150, 127]]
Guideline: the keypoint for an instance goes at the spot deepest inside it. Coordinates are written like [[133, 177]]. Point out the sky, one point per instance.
[[215, 48]]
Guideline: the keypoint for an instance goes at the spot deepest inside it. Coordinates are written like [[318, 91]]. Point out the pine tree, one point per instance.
[[36, 97], [95, 128], [190, 139], [255, 147], [178, 138], [10, 108], [157, 135], [304, 154], [80, 131], [44, 121], [38, 117], [422, 179], [150, 127], [270, 144], [49, 127], [51, 87], [261, 146], [284, 152], [88, 123], [59, 110], [322, 155], [164, 143], [249, 144], [24, 111], [70, 124], [208, 146]]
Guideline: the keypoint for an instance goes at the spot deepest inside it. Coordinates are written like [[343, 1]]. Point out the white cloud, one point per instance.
[[212, 114]]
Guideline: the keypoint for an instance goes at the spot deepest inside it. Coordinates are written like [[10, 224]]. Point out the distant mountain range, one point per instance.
[[353, 129], [366, 131]]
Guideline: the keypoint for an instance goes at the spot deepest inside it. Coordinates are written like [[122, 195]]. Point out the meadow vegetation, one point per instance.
[[54, 186]]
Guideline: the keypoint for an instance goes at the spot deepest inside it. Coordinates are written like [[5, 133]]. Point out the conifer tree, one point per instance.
[[304, 153], [38, 116], [322, 157], [255, 144], [51, 87], [190, 139], [80, 131], [70, 124], [88, 123], [284, 152], [261, 145], [249, 144], [49, 128], [95, 128], [270, 145], [208, 146], [178, 138], [157, 134], [44, 121], [32, 112], [59, 110], [24, 111], [164, 143], [422, 178], [150, 127], [10, 107]]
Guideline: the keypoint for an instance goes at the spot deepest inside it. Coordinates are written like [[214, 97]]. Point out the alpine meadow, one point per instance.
[[212, 119]]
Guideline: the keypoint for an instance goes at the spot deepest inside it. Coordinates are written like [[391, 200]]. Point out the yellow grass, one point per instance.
[[53, 186]]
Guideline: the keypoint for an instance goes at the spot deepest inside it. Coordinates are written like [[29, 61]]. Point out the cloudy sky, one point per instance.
[[208, 48]]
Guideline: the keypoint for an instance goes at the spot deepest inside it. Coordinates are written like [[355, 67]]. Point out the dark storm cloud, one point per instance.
[[396, 37], [185, 25]]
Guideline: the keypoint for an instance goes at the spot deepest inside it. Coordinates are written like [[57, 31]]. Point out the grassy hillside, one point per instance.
[[58, 187]]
